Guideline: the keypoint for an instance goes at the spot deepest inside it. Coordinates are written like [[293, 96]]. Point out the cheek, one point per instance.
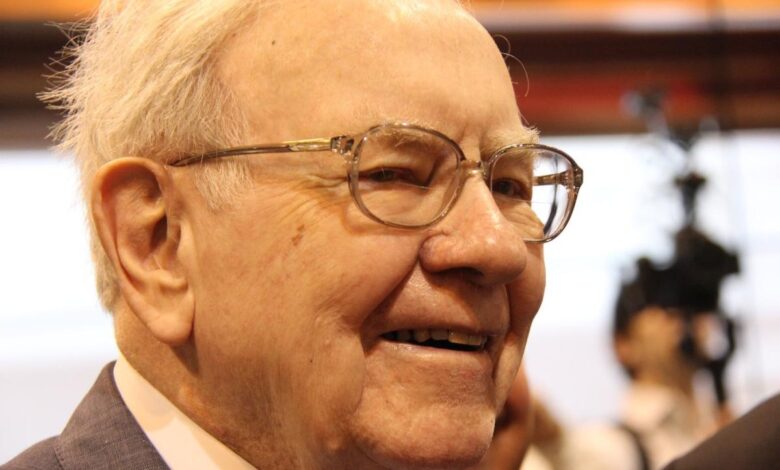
[[525, 299], [289, 305], [527, 292]]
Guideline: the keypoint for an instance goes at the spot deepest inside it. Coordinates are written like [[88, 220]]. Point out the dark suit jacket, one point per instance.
[[101, 434], [751, 442]]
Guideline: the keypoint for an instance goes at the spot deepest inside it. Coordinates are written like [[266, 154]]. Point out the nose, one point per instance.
[[476, 240]]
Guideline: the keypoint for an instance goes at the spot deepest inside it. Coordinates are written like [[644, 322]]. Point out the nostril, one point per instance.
[[469, 273], [464, 273]]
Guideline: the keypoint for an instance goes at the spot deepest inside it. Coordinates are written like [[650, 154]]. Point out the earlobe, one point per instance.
[[136, 219]]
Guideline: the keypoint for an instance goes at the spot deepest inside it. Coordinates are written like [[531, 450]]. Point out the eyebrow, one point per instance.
[[488, 146], [494, 142]]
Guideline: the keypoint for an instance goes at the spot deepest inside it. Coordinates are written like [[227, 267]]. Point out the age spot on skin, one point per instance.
[[296, 239]]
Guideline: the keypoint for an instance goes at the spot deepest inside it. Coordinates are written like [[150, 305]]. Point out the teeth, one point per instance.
[[458, 338], [424, 334], [440, 335]]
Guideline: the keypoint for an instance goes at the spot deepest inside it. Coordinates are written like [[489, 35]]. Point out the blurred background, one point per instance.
[[638, 92]]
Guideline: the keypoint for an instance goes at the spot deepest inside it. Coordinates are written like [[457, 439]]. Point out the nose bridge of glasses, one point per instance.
[[480, 168]]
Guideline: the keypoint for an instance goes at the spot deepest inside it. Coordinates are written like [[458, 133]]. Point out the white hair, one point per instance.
[[142, 81]]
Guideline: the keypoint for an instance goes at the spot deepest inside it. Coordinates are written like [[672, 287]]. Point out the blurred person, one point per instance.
[[357, 301], [666, 332]]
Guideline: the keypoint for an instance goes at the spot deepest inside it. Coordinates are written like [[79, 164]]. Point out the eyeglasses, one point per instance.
[[407, 176]]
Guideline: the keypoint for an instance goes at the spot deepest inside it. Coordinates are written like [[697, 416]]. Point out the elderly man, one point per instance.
[[357, 301]]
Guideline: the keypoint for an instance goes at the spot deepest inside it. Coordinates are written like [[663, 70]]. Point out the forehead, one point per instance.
[[336, 66]]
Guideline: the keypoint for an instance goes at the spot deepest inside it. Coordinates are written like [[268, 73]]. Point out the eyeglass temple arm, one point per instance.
[[306, 145], [560, 178]]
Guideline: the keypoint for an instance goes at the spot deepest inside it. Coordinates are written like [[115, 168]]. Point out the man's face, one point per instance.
[[651, 346], [296, 290]]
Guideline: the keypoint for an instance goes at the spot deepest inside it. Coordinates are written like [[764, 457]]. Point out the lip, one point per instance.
[[474, 364], [470, 328], [431, 375], [453, 318], [487, 356], [422, 304]]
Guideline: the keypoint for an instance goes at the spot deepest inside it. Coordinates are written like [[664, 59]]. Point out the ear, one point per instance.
[[624, 351], [133, 210]]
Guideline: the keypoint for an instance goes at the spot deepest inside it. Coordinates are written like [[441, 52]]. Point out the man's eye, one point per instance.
[[391, 175], [511, 189]]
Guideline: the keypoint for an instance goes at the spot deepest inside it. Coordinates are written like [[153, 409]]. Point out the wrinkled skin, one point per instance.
[[292, 287]]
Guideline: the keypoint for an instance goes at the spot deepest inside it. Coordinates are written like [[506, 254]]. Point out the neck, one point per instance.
[[177, 375], [680, 380]]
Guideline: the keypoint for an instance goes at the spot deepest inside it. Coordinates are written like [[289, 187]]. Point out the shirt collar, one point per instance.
[[180, 442]]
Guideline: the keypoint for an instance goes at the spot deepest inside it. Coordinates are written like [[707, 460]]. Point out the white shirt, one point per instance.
[[667, 422], [181, 443]]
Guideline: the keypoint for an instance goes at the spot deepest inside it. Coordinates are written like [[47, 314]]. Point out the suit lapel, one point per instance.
[[102, 433]]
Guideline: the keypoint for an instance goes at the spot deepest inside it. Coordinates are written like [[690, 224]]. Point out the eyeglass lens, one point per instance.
[[408, 177]]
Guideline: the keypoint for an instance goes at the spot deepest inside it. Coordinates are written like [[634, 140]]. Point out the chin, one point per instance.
[[447, 442]]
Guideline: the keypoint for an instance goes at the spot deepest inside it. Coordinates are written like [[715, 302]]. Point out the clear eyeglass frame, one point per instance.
[[349, 147]]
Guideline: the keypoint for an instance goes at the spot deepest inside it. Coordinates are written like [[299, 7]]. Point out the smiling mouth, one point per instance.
[[439, 338]]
